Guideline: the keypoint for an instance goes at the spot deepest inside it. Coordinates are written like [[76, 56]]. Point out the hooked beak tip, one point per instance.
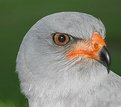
[[105, 58]]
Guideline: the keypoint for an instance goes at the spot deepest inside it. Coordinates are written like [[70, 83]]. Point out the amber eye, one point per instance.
[[61, 39]]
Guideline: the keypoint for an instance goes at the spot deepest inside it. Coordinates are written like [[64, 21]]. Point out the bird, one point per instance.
[[63, 61]]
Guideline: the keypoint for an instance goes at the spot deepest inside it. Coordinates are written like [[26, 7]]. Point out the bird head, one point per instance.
[[62, 43]]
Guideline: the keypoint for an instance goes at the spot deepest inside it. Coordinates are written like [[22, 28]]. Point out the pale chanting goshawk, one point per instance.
[[63, 62]]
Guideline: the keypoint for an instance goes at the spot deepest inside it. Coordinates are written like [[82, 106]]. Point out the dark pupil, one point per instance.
[[61, 38]]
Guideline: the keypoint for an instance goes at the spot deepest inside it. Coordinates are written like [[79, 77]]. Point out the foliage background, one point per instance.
[[17, 16]]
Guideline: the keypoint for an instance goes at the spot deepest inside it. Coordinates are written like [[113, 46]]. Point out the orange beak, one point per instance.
[[90, 49]]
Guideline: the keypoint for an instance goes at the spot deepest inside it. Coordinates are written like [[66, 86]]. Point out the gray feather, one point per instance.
[[48, 79]]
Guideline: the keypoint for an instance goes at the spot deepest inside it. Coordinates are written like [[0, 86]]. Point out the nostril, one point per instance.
[[96, 46]]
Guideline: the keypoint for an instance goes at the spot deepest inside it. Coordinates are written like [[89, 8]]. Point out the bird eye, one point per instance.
[[61, 39]]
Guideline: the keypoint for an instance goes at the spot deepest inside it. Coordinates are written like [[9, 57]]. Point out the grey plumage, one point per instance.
[[48, 79]]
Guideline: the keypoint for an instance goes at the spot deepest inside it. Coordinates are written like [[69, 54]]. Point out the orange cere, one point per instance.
[[88, 48]]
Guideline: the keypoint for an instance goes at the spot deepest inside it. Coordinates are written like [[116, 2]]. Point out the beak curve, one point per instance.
[[105, 58]]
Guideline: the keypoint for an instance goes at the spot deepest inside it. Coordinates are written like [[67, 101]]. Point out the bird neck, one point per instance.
[[68, 86]]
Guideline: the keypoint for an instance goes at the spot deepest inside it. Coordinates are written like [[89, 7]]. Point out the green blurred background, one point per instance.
[[17, 16]]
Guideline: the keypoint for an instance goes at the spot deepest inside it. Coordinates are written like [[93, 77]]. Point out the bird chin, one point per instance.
[[81, 59], [89, 61]]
